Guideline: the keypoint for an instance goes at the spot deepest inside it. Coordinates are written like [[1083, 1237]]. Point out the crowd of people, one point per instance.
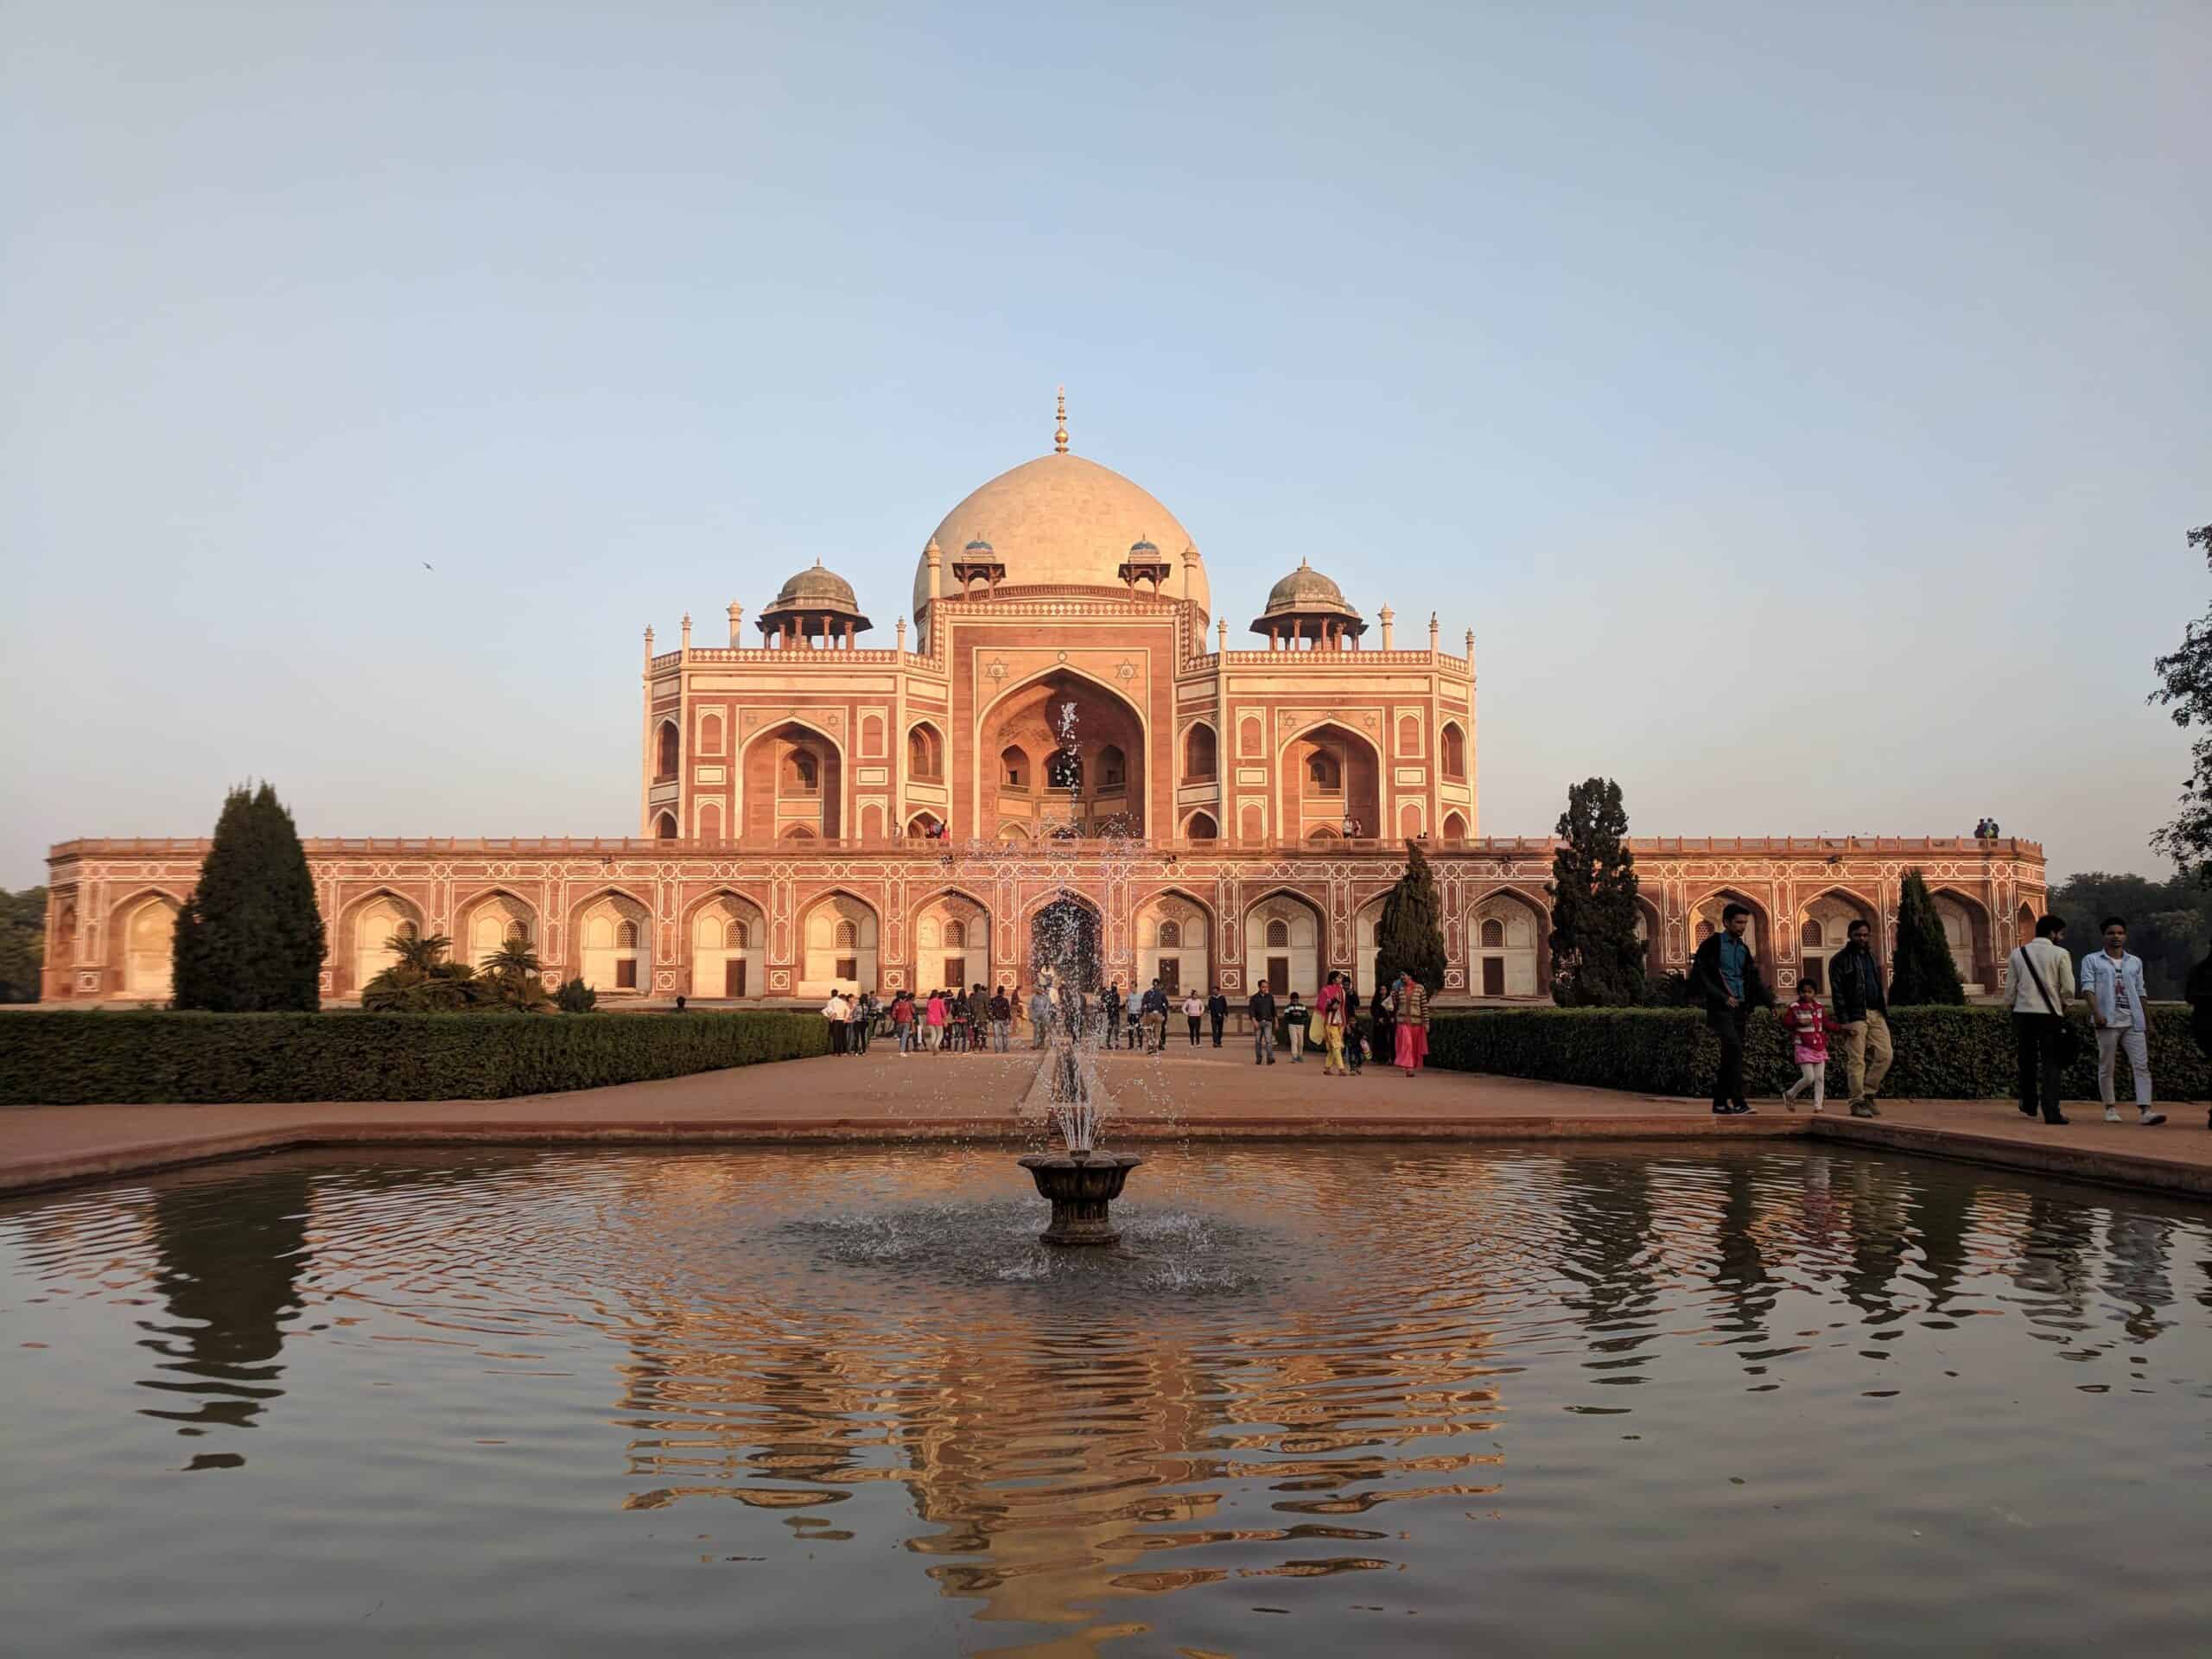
[[1393, 1026], [2042, 979]]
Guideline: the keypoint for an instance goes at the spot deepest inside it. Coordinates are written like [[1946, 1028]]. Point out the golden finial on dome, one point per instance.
[[1060, 433]]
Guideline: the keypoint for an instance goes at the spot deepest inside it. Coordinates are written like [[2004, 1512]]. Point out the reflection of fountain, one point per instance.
[[1080, 1182]]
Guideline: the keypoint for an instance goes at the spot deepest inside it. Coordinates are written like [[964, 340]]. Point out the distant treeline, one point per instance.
[[23, 944], [2169, 922]]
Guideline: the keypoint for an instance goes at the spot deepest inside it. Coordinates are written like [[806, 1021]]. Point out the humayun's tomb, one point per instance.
[[814, 811]]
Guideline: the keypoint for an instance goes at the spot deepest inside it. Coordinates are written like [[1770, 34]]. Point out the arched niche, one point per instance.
[[839, 935], [1329, 776], [729, 939], [952, 941], [794, 777], [365, 928], [1508, 946], [1082, 747], [1174, 942], [614, 935], [491, 920], [1283, 938]]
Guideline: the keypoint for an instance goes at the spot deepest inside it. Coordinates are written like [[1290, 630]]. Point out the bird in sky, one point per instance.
[[427, 565]]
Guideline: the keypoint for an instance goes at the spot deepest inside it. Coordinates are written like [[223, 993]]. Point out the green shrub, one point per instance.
[[1942, 1053], [69, 1058], [576, 997]]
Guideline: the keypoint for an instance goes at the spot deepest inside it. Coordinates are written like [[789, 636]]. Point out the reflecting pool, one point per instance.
[[1741, 1400]]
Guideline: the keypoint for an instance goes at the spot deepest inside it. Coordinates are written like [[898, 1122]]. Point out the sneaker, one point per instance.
[[2111, 1113], [1872, 1111], [2151, 1120], [1863, 1109], [2060, 1120], [2027, 1111], [1819, 1108]]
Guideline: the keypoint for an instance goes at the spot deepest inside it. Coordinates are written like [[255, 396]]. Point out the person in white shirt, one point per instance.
[[2112, 984], [837, 1012], [2041, 974]]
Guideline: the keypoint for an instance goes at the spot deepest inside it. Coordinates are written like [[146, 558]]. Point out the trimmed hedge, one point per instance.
[[1942, 1053], [73, 1058]]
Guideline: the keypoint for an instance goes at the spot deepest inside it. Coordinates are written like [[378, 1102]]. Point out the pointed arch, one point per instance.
[[951, 937], [668, 745], [1455, 829], [1201, 752], [1508, 933], [1175, 934], [1327, 772], [1705, 914], [925, 752], [1201, 826], [773, 793], [1301, 924], [142, 943], [840, 936], [484, 921], [1823, 924], [1124, 731], [724, 936], [1452, 746], [597, 924], [665, 827], [1969, 929], [364, 923]]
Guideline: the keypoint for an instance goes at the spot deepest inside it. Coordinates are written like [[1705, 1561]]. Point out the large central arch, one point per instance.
[[1062, 748], [1064, 942]]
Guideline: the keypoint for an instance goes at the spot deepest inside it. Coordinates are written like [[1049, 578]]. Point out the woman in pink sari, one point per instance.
[[1410, 1003]]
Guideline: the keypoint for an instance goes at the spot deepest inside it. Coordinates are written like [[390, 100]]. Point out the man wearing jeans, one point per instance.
[[1002, 1019], [2112, 984], [1726, 974], [1862, 1008], [1261, 1008], [2042, 977]]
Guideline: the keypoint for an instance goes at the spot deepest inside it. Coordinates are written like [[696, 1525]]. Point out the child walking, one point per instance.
[[1808, 1028]]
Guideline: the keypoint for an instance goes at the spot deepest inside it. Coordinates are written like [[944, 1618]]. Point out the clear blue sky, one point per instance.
[[1805, 412]]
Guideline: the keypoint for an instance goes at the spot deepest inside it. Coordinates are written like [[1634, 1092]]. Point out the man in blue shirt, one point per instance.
[[1725, 973]]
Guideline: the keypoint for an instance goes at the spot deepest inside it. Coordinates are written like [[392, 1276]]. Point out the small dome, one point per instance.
[[1306, 593], [815, 588], [1142, 551], [978, 546], [814, 592]]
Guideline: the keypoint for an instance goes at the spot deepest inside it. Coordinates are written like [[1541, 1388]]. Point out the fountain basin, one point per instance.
[[1081, 1186]]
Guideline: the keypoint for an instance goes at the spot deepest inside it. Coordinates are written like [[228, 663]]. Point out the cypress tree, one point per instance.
[[1597, 960], [1921, 969], [250, 938], [1409, 939]]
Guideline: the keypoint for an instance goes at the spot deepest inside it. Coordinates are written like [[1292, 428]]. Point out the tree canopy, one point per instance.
[[1409, 939], [1597, 960], [23, 944], [1921, 968], [2185, 688], [250, 938]]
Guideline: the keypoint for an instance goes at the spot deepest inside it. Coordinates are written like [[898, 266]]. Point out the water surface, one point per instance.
[[1742, 1401]]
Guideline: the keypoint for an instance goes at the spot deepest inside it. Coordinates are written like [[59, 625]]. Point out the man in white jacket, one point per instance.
[[2111, 983]]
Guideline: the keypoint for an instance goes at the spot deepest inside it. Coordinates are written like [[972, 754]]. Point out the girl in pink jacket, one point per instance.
[[1806, 1024]]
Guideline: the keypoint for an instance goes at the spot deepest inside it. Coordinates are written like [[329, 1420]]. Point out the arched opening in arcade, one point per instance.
[[366, 932], [1079, 750], [1200, 826], [1282, 945], [1330, 778], [952, 943], [1707, 916], [1199, 753], [613, 934], [1508, 946], [1824, 928], [729, 943], [840, 943], [794, 780], [1063, 944], [1174, 939], [1967, 930], [147, 929], [490, 923]]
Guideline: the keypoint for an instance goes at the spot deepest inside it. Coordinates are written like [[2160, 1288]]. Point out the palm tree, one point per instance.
[[514, 959], [417, 953]]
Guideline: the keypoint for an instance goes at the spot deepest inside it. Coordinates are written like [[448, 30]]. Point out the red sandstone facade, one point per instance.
[[1215, 817]]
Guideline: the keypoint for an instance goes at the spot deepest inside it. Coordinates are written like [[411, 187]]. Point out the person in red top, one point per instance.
[[1807, 1026]]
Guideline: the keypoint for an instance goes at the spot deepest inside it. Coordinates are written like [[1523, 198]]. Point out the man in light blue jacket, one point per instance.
[[2111, 983]]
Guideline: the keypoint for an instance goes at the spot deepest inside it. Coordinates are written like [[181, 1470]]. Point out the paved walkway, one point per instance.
[[1203, 1094]]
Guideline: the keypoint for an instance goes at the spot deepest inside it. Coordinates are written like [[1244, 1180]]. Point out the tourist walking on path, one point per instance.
[[1112, 1002], [2112, 984], [1262, 1009], [1295, 1020], [1329, 1008], [863, 1021], [1041, 1016], [2041, 974], [834, 1010], [1002, 1019], [902, 1021], [933, 1018], [1382, 1029], [1807, 1027], [1194, 1011], [1409, 1022], [1218, 1013], [1862, 1010], [1156, 1018], [1726, 974]]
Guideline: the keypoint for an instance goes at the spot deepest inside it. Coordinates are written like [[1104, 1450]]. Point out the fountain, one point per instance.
[[1080, 1181]]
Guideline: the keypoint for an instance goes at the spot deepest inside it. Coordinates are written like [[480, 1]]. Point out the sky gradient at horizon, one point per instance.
[[1805, 413]]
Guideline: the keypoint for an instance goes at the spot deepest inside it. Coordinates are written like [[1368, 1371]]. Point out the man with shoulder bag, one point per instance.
[[2043, 978]]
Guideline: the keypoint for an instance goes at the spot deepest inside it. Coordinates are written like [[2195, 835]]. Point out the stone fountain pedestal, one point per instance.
[[1081, 1186]]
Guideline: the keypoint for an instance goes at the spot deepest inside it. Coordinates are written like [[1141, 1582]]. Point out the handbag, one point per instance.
[[2065, 1042]]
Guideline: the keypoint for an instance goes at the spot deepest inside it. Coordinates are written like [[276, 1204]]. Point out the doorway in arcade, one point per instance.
[[1063, 944]]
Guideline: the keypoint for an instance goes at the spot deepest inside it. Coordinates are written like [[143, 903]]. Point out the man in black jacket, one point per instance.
[[1862, 1008], [1112, 1000], [1725, 973], [1217, 1012], [1261, 1008]]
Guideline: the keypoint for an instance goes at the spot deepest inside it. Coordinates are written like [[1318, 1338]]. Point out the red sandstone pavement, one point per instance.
[[1205, 1093]]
